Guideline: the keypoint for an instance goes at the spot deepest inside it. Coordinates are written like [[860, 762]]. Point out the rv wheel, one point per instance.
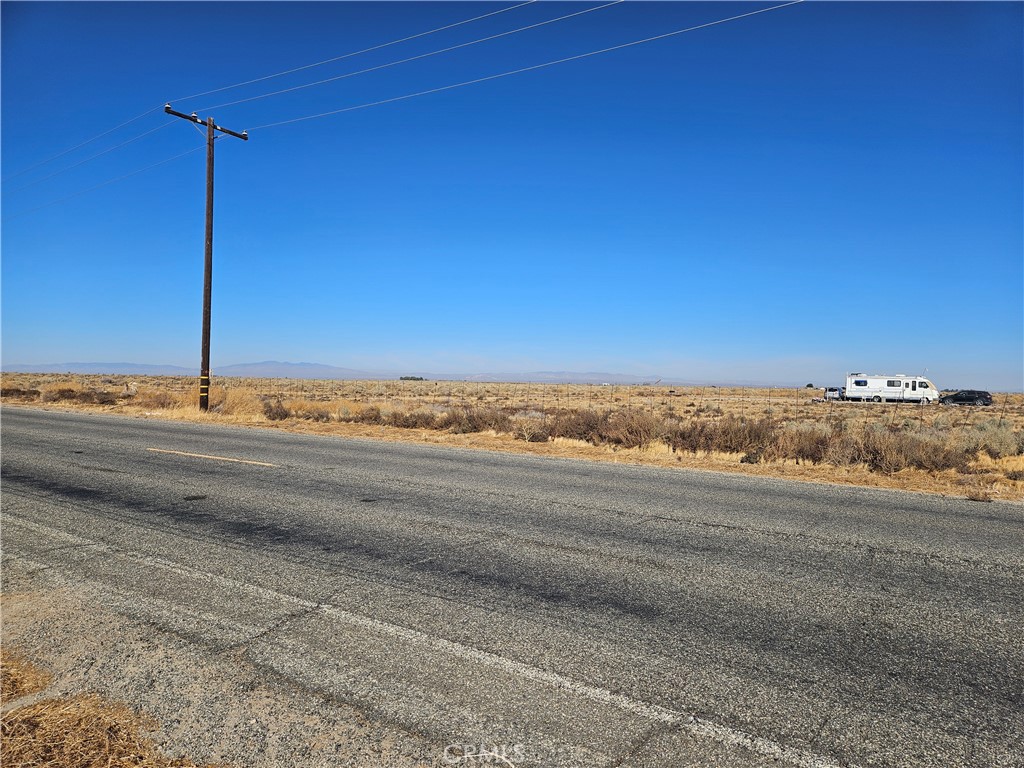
[[876, 399], [925, 401]]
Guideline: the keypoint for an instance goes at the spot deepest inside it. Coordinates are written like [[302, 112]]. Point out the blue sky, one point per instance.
[[822, 188]]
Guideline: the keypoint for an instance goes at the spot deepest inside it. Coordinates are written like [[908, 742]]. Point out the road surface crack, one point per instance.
[[636, 748], [282, 622]]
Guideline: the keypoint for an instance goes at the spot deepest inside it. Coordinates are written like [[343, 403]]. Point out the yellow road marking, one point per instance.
[[214, 458]]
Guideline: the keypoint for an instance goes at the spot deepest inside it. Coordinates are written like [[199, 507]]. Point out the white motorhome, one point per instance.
[[897, 387]]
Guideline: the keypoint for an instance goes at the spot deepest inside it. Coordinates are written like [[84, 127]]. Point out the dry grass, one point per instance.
[[19, 677], [83, 731], [970, 452]]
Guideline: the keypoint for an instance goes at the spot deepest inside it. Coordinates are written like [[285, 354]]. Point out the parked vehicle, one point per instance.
[[835, 393], [967, 397], [899, 387]]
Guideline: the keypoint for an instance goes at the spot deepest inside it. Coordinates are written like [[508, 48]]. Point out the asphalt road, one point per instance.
[[578, 614]]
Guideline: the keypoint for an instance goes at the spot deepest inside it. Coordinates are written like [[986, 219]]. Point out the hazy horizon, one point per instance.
[[274, 368]]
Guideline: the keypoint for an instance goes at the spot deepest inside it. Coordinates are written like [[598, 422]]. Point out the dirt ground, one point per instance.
[[105, 690]]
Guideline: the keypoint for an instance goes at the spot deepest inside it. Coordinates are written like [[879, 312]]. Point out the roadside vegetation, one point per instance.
[[82, 731], [976, 452]]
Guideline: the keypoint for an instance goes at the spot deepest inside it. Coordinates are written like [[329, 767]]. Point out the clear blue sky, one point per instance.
[[823, 188]]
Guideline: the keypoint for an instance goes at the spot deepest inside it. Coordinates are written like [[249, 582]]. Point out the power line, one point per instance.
[[524, 69], [103, 184], [355, 53], [367, 104], [411, 58], [84, 143], [88, 159], [257, 80]]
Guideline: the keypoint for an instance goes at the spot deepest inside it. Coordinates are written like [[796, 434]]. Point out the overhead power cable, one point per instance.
[[523, 69], [104, 183], [84, 143], [159, 108], [411, 58], [354, 53], [93, 157]]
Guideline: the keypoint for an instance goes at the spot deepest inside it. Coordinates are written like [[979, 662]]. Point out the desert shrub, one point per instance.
[[154, 399], [466, 420], [710, 410], [71, 392], [343, 410], [412, 419], [235, 402], [994, 437], [274, 409], [884, 451], [308, 410], [692, 436], [634, 428], [736, 434], [889, 451], [1015, 474], [730, 434], [531, 430], [456, 420], [19, 394], [587, 425], [59, 392], [369, 415], [803, 441], [844, 449]]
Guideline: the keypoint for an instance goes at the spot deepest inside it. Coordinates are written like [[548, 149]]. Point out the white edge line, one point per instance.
[[699, 727]]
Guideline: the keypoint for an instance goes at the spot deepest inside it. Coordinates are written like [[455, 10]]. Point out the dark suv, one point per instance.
[[967, 397]]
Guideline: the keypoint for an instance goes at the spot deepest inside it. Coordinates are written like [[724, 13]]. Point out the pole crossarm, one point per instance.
[[194, 118]]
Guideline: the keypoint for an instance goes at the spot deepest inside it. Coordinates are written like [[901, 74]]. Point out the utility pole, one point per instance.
[[211, 129]]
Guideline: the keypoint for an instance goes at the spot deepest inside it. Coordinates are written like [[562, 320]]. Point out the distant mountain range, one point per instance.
[[276, 369], [131, 369]]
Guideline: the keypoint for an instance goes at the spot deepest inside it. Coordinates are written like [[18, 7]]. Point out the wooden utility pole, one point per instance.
[[211, 129]]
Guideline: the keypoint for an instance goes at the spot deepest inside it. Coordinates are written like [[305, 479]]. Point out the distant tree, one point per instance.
[[411, 378], [810, 386]]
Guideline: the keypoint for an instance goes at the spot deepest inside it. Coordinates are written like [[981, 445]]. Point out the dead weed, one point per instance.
[[83, 731]]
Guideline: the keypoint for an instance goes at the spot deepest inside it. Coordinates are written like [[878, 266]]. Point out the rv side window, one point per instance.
[[860, 383], [893, 383], [923, 384]]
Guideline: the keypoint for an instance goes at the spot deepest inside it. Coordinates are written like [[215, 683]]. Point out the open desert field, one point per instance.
[[977, 452]]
